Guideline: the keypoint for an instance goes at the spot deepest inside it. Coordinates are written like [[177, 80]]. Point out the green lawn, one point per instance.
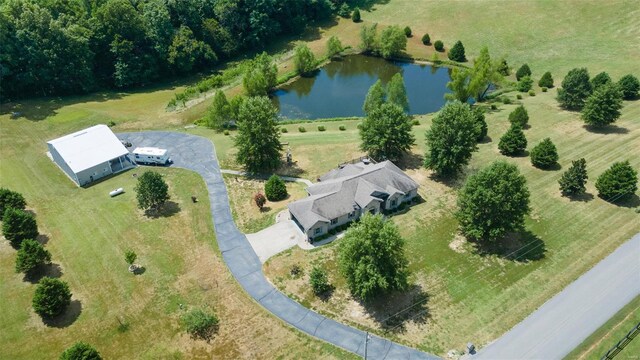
[[614, 330], [473, 297], [87, 233]]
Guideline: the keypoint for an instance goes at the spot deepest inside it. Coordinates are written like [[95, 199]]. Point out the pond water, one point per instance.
[[339, 88]]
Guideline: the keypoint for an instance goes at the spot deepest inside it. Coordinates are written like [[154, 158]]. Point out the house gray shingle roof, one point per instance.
[[351, 187]]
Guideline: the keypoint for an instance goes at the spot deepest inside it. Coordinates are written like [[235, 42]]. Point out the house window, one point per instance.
[[352, 214], [394, 202], [317, 231], [334, 221], [372, 211]]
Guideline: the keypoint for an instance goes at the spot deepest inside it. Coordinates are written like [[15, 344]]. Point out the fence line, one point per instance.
[[622, 343]]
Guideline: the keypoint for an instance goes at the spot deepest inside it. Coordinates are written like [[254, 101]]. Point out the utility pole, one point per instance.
[[366, 342]]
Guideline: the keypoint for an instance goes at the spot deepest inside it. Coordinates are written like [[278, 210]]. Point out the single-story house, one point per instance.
[[344, 194], [90, 154]]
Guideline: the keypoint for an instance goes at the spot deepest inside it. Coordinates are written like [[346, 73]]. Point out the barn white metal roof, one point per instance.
[[89, 147]]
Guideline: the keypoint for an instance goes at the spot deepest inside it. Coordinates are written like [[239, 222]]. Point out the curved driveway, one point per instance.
[[198, 154]]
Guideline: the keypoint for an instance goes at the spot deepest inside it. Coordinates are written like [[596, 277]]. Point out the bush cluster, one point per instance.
[[200, 324], [525, 84]]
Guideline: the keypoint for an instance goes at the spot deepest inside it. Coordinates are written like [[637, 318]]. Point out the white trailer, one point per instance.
[[151, 156]]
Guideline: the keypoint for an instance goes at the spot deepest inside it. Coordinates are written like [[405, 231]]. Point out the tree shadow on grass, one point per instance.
[[554, 167], [411, 161], [292, 169], [452, 181], [68, 317], [394, 310], [628, 202], [523, 247], [325, 296], [52, 270], [485, 140], [584, 197], [43, 239], [38, 109], [606, 130], [169, 209]]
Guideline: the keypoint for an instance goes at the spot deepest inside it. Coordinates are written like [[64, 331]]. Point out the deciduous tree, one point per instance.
[[575, 89], [451, 140], [258, 139], [392, 41], [603, 106], [334, 46], [304, 60], [369, 37], [397, 93], [372, 259], [200, 324], [219, 112], [386, 133], [151, 191], [376, 96], [492, 202], [260, 200], [261, 77], [618, 183], [81, 351]]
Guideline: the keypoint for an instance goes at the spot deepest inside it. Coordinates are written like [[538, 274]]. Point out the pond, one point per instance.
[[339, 88]]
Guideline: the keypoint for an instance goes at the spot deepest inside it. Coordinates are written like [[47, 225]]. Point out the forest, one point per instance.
[[63, 47]]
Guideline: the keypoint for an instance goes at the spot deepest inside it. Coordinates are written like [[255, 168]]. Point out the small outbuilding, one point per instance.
[[90, 154]]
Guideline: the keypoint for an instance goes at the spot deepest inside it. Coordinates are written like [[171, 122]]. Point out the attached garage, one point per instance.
[[90, 154]]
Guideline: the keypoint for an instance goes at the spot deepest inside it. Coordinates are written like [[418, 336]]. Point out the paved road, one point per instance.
[[563, 322], [198, 154]]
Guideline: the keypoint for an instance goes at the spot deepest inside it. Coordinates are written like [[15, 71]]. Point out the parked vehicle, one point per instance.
[[125, 143], [151, 156]]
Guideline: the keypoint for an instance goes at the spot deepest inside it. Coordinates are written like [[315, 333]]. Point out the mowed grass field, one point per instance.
[[87, 233], [614, 330], [473, 297]]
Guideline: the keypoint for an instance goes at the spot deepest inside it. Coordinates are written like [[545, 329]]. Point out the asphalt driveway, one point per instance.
[[198, 154]]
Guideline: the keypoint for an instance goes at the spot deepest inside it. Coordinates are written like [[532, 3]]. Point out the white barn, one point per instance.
[[90, 154]]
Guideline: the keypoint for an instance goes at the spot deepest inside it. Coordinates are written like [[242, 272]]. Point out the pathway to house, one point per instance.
[[563, 322], [198, 154]]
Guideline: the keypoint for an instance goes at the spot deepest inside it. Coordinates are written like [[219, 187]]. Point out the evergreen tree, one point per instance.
[[630, 87], [599, 80], [513, 142], [275, 188], [11, 199], [258, 139], [457, 52], [575, 89], [51, 298], [546, 80], [152, 192], [319, 280], [618, 183], [523, 71], [452, 138], [481, 124], [371, 257], [603, 106], [356, 15], [386, 133], [438, 45], [81, 351], [397, 93], [31, 256], [574, 179], [519, 117], [492, 202], [426, 39], [525, 84], [18, 225], [407, 31], [503, 67], [544, 155]]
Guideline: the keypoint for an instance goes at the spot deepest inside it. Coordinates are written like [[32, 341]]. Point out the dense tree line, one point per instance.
[[55, 47]]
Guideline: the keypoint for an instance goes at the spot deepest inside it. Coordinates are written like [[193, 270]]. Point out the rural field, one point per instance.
[[458, 295]]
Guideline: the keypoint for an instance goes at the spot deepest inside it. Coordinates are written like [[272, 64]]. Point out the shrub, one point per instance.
[[342, 128], [51, 298], [416, 122], [407, 31], [304, 60], [519, 117], [523, 71], [356, 15], [543, 89], [275, 188], [457, 52], [546, 81], [525, 84], [295, 270], [302, 129], [481, 124], [200, 324], [532, 93], [111, 123], [260, 200], [11, 199], [18, 225], [503, 68], [630, 86], [321, 128], [544, 155], [617, 183], [513, 142], [426, 39], [284, 130], [572, 181], [226, 132], [391, 42], [31, 256], [319, 280], [575, 89], [81, 351], [130, 256], [494, 107], [518, 96], [438, 45], [506, 100]]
